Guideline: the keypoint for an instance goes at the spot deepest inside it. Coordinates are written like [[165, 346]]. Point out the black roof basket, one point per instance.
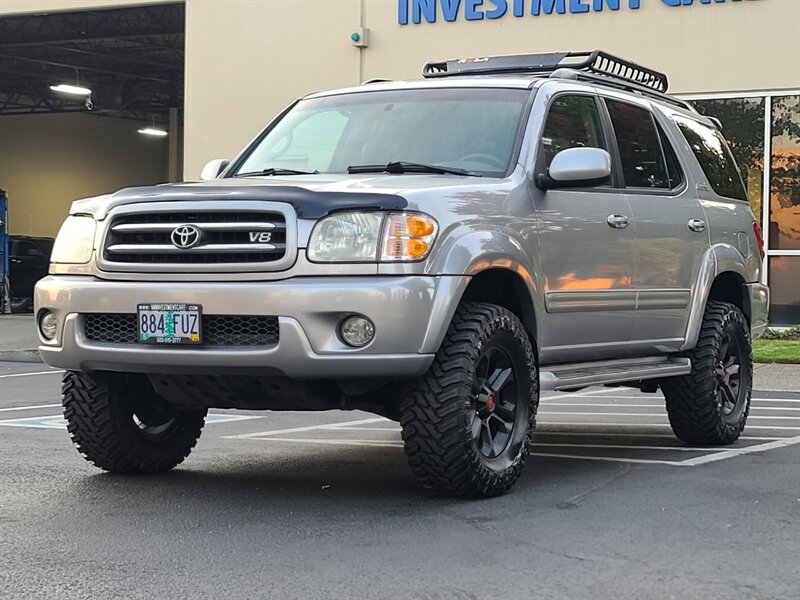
[[595, 61], [593, 65]]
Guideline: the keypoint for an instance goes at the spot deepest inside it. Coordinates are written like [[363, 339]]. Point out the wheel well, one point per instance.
[[729, 287], [507, 289]]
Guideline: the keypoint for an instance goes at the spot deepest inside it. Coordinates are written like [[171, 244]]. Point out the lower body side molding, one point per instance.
[[576, 375]]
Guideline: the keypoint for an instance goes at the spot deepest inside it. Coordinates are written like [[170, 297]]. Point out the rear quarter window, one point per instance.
[[715, 158]]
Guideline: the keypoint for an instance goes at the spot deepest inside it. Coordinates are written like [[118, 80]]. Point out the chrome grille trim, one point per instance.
[[135, 237], [160, 227], [203, 248]]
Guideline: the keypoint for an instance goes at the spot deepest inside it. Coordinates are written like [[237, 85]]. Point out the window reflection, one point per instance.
[[743, 127], [784, 286], [784, 214]]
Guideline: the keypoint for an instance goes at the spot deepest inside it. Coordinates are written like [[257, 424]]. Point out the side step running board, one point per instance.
[[576, 375]]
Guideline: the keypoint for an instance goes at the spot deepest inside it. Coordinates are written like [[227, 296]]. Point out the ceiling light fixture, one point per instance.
[[152, 131], [75, 90]]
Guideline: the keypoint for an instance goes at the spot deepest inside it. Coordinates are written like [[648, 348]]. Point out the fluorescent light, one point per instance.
[[65, 88], [152, 131]]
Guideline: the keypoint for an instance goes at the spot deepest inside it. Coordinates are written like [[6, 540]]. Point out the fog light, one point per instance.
[[48, 325], [357, 331]]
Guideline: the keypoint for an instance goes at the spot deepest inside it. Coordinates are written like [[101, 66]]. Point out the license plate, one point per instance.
[[169, 323]]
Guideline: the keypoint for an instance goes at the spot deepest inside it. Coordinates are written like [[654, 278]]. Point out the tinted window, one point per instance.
[[573, 122], [25, 248], [714, 157], [673, 166], [643, 163]]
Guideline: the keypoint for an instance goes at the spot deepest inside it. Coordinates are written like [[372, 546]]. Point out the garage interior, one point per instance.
[[56, 147]]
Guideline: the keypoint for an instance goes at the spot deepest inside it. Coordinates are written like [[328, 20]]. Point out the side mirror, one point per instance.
[[213, 168], [576, 167]]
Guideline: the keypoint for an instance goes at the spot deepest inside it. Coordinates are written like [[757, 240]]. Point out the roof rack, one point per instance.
[[591, 65], [594, 61]]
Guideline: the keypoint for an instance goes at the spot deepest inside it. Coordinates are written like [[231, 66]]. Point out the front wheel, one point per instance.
[[709, 406], [468, 423], [120, 424]]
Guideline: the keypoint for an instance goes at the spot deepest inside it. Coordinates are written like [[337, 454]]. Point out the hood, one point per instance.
[[312, 196]]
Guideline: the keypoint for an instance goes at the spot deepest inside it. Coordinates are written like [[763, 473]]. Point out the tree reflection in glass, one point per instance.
[[784, 214]]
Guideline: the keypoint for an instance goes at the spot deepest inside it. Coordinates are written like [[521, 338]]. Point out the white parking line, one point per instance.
[[30, 374], [647, 435], [261, 434], [660, 398], [625, 414], [32, 407], [585, 424], [701, 460], [619, 405]]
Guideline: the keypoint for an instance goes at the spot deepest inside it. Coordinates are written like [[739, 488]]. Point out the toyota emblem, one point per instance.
[[186, 236]]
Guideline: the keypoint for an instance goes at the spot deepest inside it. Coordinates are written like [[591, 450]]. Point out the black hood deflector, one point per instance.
[[308, 204]]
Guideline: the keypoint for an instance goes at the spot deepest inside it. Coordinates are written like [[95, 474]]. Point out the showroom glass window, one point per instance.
[[784, 193]]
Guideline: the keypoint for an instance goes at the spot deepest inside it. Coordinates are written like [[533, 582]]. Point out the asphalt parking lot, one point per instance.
[[322, 505]]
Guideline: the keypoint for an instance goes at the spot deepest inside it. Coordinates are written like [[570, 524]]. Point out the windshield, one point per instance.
[[472, 129]]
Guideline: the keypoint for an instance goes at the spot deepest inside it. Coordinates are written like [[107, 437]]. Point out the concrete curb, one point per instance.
[[22, 356]]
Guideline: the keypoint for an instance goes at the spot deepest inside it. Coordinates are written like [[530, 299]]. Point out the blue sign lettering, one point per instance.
[[500, 8], [417, 11]]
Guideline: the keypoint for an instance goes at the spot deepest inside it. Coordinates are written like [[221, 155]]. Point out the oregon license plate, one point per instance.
[[170, 323]]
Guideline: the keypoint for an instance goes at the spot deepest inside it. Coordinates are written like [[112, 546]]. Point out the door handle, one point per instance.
[[697, 225], [617, 221]]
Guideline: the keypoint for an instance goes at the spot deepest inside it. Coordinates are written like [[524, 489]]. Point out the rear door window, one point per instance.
[[714, 156], [643, 161]]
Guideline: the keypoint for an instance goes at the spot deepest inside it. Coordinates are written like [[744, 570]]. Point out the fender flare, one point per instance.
[[461, 260], [718, 259]]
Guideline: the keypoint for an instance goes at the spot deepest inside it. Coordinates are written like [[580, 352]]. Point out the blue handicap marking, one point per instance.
[[58, 422]]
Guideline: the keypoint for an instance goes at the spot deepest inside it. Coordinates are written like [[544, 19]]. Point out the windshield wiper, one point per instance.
[[274, 171], [401, 166]]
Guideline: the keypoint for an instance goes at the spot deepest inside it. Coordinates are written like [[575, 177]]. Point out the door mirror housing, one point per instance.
[[213, 168], [576, 167]]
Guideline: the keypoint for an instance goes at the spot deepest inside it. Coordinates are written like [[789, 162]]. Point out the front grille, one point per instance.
[[225, 237], [218, 330]]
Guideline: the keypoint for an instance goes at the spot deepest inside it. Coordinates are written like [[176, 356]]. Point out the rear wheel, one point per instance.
[[468, 423], [120, 424], [710, 405]]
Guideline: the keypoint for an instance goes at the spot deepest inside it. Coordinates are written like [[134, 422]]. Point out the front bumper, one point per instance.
[[410, 313], [759, 308]]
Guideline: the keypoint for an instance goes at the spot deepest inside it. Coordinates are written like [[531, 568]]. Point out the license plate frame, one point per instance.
[[158, 323]]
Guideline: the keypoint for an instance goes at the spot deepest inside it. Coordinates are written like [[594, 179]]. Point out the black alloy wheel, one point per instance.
[[731, 395], [494, 402]]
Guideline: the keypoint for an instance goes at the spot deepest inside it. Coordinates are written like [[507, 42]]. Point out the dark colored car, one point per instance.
[[29, 258]]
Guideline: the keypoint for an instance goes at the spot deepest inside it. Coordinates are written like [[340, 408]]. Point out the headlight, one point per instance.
[[346, 237], [372, 237], [74, 242]]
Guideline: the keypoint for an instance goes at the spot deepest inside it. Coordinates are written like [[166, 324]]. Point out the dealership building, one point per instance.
[[168, 86]]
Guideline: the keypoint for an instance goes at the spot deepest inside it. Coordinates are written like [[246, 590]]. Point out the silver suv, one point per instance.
[[433, 251]]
